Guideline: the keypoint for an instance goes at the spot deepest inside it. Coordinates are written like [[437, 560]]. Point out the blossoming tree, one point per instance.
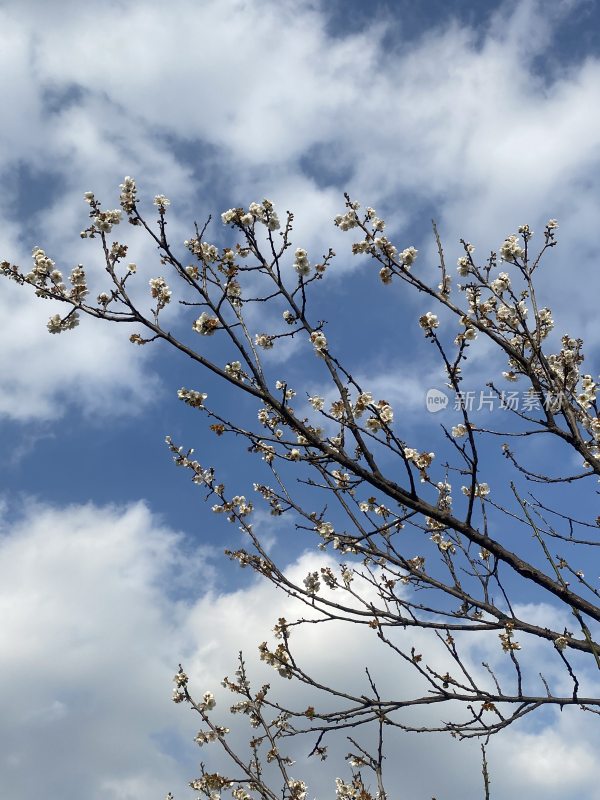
[[411, 552]]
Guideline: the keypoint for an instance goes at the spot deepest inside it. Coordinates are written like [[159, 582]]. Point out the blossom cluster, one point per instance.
[[428, 322], [481, 490], [458, 431], [237, 507], [264, 340], [350, 791], [444, 502], [161, 202], [204, 250], [269, 495], [588, 393], [506, 638], [191, 397], [103, 221], [301, 262], [212, 784], [128, 196], [385, 416], [445, 545], [349, 220], [234, 370], [420, 460], [312, 583], [211, 735], [319, 341], [179, 691], [297, 789], [57, 324], [160, 292], [565, 364], [510, 249], [500, 284], [257, 212], [49, 281], [278, 659], [206, 325], [43, 268]]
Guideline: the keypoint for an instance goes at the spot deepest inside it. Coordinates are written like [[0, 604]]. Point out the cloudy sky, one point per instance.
[[481, 114]]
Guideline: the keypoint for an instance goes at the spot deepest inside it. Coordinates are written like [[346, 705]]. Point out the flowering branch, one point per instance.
[[414, 554]]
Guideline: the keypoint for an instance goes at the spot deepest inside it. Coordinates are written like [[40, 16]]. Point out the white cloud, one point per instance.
[[94, 368], [89, 638], [299, 115], [95, 623], [256, 99]]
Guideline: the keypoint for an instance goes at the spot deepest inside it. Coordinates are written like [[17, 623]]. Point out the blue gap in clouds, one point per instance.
[[408, 19], [210, 175], [56, 99], [32, 190], [325, 164], [573, 38], [116, 459]]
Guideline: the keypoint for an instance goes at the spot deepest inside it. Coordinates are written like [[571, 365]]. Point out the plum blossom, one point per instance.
[[511, 249], [264, 340], [161, 202], [57, 325], [205, 324], [458, 431], [429, 321], [160, 291], [386, 416], [263, 212], [463, 266], [385, 275], [128, 196], [104, 220], [408, 256], [319, 341], [349, 220], [312, 582], [301, 263], [192, 397], [481, 490], [501, 283], [230, 216]]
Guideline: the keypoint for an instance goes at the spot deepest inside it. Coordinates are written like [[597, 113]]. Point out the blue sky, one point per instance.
[[482, 115]]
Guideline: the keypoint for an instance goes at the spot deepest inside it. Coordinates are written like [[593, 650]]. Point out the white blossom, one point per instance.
[[205, 324], [319, 341], [55, 324], [511, 249], [429, 321], [227, 217], [192, 397], [347, 221], [408, 256], [458, 431], [481, 490], [264, 340], [301, 263], [312, 583], [463, 266], [160, 291], [128, 196]]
